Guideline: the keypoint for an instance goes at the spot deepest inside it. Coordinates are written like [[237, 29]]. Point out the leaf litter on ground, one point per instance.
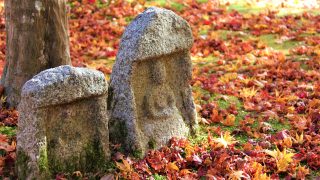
[[256, 84]]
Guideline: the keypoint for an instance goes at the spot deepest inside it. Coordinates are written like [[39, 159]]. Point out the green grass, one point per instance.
[[109, 62], [202, 1], [304, 66], [315, 174], [222, 103], [9, 131], [159, 2], [225, 103], [166, 3], [240, 116], [177, 6], [203, 31], [242, 138], [201, 136], [271, 41], [243, 8], [159, 177], [101, 4], [278, 126], [296, 11], [206, 61]]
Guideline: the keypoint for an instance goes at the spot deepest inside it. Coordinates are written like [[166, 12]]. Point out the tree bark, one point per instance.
[[37, 39]]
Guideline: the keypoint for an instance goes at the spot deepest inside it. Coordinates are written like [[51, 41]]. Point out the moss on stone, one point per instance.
[[109, 99], [43, 162], [95, 158], [152, 143], [43, 159], [56, 165], [137, 153], [24, 171], [92, 159], [22, 168], [117, 131]]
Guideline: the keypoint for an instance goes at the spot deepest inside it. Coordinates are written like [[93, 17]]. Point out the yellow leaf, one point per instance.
[[263, 176], [172, 166], [298, 139], [287, 142], [302, 171], [3, 99], [301, 123], [228, 77], [207, 161], [237, 175], [184, 172], [282, 158], [291, 98], [282, 165], [124, 166], [259, 175], [317, 51], [205, 17], [246, 80], [189, 150], [248, 92], [291, 109], [231, 67], [224, 140], [257, 167]]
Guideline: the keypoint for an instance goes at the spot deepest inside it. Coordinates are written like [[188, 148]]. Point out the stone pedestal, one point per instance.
[[63, 123]]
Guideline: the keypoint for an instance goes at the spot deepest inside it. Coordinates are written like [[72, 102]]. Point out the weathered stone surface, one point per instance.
[[63, 123], [150, 96], [63, 84]]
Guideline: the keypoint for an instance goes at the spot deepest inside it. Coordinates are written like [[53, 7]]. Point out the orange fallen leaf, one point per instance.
[[230, 120], [184, 172], [172, 166]]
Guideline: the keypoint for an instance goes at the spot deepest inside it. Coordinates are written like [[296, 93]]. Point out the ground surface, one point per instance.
[[256, 83]]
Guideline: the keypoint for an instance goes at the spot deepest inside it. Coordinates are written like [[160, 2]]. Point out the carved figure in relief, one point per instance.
[[159, 101]]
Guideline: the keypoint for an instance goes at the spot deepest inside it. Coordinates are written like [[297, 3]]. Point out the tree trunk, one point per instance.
[[37, 39]]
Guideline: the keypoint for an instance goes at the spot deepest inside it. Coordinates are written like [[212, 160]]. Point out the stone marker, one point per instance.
[[150, 96], [63, 123]]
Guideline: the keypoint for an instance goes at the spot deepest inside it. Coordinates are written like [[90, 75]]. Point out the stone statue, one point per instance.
[[150, 98], [63, 123]]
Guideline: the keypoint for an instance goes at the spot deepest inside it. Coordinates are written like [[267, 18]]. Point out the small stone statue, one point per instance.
[[63, 123]]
